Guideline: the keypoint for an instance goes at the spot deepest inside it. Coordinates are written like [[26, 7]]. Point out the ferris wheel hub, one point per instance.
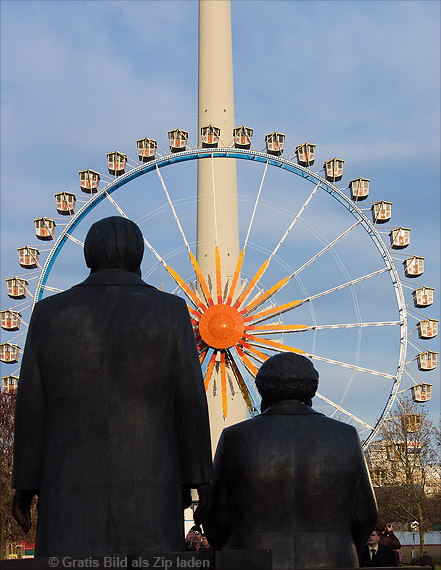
[[221, 326]]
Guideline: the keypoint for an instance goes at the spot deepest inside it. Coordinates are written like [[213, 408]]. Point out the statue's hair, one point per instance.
[[114, 243], [287, 376]]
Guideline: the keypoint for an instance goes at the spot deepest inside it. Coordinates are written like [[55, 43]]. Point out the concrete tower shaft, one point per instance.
[[217, 221], [216, 107]]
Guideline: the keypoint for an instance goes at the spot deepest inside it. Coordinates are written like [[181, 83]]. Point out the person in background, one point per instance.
[[205, 545], [193, 538], [375, 554], [426, 560], [387, 538]]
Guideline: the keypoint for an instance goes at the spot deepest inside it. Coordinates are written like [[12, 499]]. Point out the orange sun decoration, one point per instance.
[[230, 328]]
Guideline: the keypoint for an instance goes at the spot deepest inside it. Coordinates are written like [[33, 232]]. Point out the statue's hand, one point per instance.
[[186, 496], [21, 507], [204, 507]]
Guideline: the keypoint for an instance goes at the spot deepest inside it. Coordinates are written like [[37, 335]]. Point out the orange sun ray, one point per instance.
[[201, 279], [273, 311], [240, 381], [209, 370], [235, 277], [246, 361], [193, 312], [202, 355], [272, 344], [192, 296], [223, 383], [246, 293], [254, 350], [273, 329], [218, 277], [265, 296]]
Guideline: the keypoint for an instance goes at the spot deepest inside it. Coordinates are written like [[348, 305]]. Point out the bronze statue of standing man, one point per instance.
[[291, 480], [111, 422]]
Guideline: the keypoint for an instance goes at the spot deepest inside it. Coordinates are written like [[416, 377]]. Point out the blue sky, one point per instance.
[[359, 79]]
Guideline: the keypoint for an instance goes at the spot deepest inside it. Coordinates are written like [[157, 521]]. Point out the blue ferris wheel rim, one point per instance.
[[274, 161]]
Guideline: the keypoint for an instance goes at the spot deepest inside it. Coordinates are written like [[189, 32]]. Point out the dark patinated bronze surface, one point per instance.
[[111, 418], [292, 480]]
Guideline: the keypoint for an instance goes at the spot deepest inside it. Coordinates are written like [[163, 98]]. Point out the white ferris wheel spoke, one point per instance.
[[286, 280], [253, 355], [265, 265], [120, 210], [193, 298], [75, 240], [173, 209], [317, 296], [346, 412], [347, 284], [200, 277], [346, 365], [302, 209], [326, 248], [52, 289], [147, 243], [354, 325], [255, 204], [279, 329]]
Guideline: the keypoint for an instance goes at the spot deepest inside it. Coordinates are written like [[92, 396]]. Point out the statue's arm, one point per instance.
[[217, 523], [204, 502], [191, 410], [365, 512], [29, 430], [21, 507]]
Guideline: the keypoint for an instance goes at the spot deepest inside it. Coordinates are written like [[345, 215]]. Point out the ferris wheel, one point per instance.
[[314, 275]]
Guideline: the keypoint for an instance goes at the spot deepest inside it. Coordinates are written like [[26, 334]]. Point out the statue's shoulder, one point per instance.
[[162, 297], [338, 431], [48, 303], [334, 425], [51, 307], [246, 427], [339, 425]]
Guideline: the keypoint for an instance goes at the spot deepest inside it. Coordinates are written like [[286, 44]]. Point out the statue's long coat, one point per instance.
[[111, 418], [294, 481]]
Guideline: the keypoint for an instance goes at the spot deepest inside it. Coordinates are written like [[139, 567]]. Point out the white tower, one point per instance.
[[217, 194]]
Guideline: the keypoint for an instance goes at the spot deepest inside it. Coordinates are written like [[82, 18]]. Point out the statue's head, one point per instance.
[[287, 376], [114, 243]]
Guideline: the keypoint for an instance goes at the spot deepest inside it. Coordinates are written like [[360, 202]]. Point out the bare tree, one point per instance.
[[10, 532], [405, 469]]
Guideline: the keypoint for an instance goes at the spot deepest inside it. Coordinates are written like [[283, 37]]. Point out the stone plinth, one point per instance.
[[227, 560]]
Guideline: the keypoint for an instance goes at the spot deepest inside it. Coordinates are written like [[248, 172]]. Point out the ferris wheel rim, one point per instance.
[[274, 161]]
